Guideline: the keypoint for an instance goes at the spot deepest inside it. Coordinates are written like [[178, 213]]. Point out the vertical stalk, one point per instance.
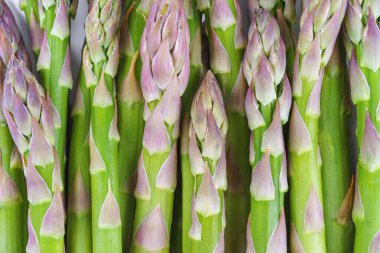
[[227, 43], [130, 111], [362, 28], [337, 179], [164, 77]]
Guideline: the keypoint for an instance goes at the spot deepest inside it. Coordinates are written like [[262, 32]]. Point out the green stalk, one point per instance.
[[101, 36], [130, 112], [13, 204], [207, 132], [79, 234], [337, 180], [363, 32], [187, 186], [267, 105], [315, 45], [49, 27], [227, 43], [32, 118], [180, 232], [164, 77]]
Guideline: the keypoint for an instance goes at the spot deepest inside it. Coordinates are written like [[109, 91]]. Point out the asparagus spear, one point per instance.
[[165, 73], [182, 212], [320, 22], [79, 234], [101, 29], [285, 13], [130, 111], [50, 33], [32, 118], [13, 204], [363, 32], [227, 43], [267, 104], [207, 169], [337, 180]]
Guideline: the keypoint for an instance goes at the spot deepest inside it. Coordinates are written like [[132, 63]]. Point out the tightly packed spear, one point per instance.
[[362, 28], [267, 105], [206, 131], [101, 28], [320, 22], [227, 41], [32, 119], [13, 202], [49, 28], [165, 70]]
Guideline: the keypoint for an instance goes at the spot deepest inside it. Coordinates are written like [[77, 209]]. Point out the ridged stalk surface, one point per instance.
[[165, 71], [32, 119], [130, 111], [337, 178], [362, 27], [320, 22], [227, 42], [79, 226]]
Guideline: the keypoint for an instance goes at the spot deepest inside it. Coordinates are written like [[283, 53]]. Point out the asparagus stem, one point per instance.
[[337, 180], [315, 45], [164, 77], [13, 204], [194, 19], [130, 112], [227, 43], [32, 118], [207, 132], [79, 234], [101, 28], [267, 104], [363, 32], [50, 32]]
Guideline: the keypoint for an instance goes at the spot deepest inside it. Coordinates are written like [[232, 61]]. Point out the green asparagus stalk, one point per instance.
[[101, 29], [206, 147], [32, 119], [362, 28], [130, 111], [320, 23], [181, 220], [165, 73], [79, 234], [267, 105], [285, 13], [49, 27], [227, 43], [337, 180], [13, 202]]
